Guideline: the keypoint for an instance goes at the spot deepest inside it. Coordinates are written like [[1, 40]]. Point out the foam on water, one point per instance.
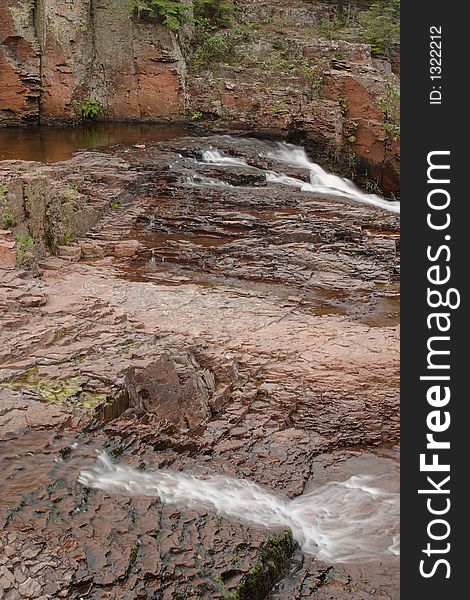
[[216, 157], [342, 521], [198, 179], [321, 181]]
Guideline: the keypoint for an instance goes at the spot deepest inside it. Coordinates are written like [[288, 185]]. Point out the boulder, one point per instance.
[[171, 391]]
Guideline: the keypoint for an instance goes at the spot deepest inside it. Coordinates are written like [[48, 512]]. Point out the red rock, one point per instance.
[[72, 253], [32, 301], [126, 248], [7, 254], [91, 250], [142, 84], [40, 415], [52, 263]]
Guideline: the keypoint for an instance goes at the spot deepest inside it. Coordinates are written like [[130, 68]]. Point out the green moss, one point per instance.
[[275, 555], [67, 392], [133, 555], [12, 510]]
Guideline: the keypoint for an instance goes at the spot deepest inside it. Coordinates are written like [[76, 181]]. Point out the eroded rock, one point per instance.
[[170, 392]]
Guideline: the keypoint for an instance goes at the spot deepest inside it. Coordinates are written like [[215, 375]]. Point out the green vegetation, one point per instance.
[[372, 186], [133, 555], [313, 72], [173, 14], [217, 33], [381, 24], [390, 106], [69, 392], [8, 219], [88, 108], [67, 237], [275, 554], [333, 28], [218, 12], [170, 13], [196, 116], [212, 45], [24, 248], [115, 204], [343, 104]]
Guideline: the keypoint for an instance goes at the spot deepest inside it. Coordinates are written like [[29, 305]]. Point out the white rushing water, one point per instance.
[[216, 157], [198, 179], [342, 521], [321, 181], [326, 183]]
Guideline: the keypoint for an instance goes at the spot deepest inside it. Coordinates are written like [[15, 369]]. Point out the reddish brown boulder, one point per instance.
[[174, 393]]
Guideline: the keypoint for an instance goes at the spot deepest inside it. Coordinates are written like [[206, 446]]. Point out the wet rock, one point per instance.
[[250, 323], [172, 392], [29, 588]]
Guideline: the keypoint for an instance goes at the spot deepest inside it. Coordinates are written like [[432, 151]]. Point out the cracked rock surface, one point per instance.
[[235, 327]]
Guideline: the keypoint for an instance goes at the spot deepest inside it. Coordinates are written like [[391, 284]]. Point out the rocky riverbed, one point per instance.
[[206, 317]]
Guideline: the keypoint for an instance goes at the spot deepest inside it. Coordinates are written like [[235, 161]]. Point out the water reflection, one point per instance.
[[53, 144]]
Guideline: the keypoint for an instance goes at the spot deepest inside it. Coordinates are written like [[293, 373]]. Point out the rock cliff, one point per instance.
[[55, 52], [303, 70]]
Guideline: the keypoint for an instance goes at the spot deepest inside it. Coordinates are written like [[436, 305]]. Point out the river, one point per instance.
[[226, 339]]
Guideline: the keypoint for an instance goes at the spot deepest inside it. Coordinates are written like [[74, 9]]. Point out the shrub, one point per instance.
[[217, 12], [170, 13], [313, 72], [24, 248], [8, 220], [390, 106], [218, 46], [89, 108], [381, 23]]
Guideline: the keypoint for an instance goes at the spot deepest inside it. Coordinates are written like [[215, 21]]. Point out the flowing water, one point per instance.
[[321, 181], [351, 518], [340, 521]]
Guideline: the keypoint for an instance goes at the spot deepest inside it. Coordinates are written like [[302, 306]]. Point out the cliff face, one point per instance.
[[53, 52], [286, 68]]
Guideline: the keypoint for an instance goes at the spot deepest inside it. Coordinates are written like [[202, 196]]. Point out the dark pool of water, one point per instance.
[[53, 144]]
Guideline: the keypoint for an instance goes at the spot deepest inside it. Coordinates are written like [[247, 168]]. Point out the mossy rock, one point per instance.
[[275, 556]]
